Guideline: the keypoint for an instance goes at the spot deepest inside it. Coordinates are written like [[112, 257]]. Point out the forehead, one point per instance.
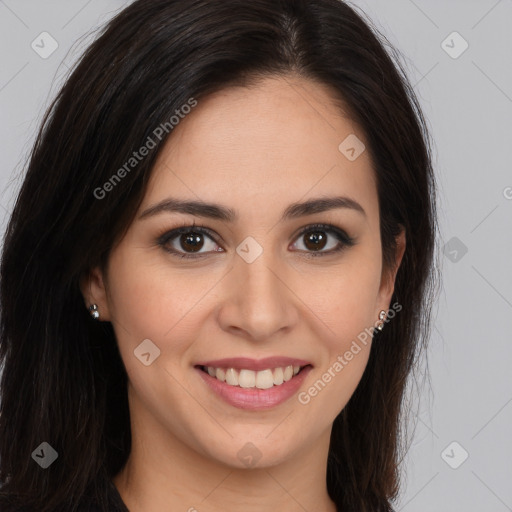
[[264, 146]]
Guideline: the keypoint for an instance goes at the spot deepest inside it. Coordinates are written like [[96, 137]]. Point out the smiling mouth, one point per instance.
[[244, 378]]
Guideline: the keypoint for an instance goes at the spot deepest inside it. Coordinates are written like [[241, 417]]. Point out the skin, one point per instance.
[[255, 150]]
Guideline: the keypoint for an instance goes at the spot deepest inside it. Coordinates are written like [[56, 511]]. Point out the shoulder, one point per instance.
[[9, 507], [111, 502]]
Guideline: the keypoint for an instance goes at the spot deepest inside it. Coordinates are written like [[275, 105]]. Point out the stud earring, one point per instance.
[[382, 315], [93, 308]]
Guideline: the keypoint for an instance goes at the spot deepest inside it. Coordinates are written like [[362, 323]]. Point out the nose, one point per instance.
[[258, 302]]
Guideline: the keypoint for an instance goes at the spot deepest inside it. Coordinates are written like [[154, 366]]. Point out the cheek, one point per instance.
[[344, 305], [144, 296], [344, 300], [149, 301], [145, 307], [345, 353]]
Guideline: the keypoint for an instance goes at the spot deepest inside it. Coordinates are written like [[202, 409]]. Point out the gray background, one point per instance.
[[468, 103]]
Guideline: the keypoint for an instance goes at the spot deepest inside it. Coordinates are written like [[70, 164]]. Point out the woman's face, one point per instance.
[[258, 287]]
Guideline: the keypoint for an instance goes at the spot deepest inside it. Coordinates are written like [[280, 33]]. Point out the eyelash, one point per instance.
[[343, 238]]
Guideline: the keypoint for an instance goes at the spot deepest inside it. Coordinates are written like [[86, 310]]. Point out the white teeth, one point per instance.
[[247, 379], [232, 377], [263, 379], [278, 376]]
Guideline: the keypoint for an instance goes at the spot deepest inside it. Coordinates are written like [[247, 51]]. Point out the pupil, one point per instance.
[[316, 238], [192, 240]]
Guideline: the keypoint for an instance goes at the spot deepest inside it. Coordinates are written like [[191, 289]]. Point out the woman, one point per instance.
[[218, 273]]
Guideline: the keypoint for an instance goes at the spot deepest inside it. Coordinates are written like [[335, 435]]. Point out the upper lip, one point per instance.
[[254, 364]]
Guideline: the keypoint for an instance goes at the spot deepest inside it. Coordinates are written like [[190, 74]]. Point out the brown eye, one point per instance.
[[188, 242], [191, 242], [315, 240], [318, 237]]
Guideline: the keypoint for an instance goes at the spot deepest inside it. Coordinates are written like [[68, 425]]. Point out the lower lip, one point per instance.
[[254, 398]]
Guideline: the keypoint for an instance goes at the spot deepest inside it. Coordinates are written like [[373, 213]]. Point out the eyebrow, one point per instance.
[[219, 212]]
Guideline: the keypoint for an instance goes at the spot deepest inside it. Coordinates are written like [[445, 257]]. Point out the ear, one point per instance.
[[92, 286], [387, 284]]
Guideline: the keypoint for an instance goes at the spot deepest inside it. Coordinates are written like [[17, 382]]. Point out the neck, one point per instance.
[[162, 471]]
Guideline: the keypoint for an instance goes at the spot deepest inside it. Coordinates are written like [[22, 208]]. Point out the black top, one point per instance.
[[114, 503]]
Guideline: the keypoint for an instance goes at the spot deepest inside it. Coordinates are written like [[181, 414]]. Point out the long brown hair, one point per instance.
[[63, 379]]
